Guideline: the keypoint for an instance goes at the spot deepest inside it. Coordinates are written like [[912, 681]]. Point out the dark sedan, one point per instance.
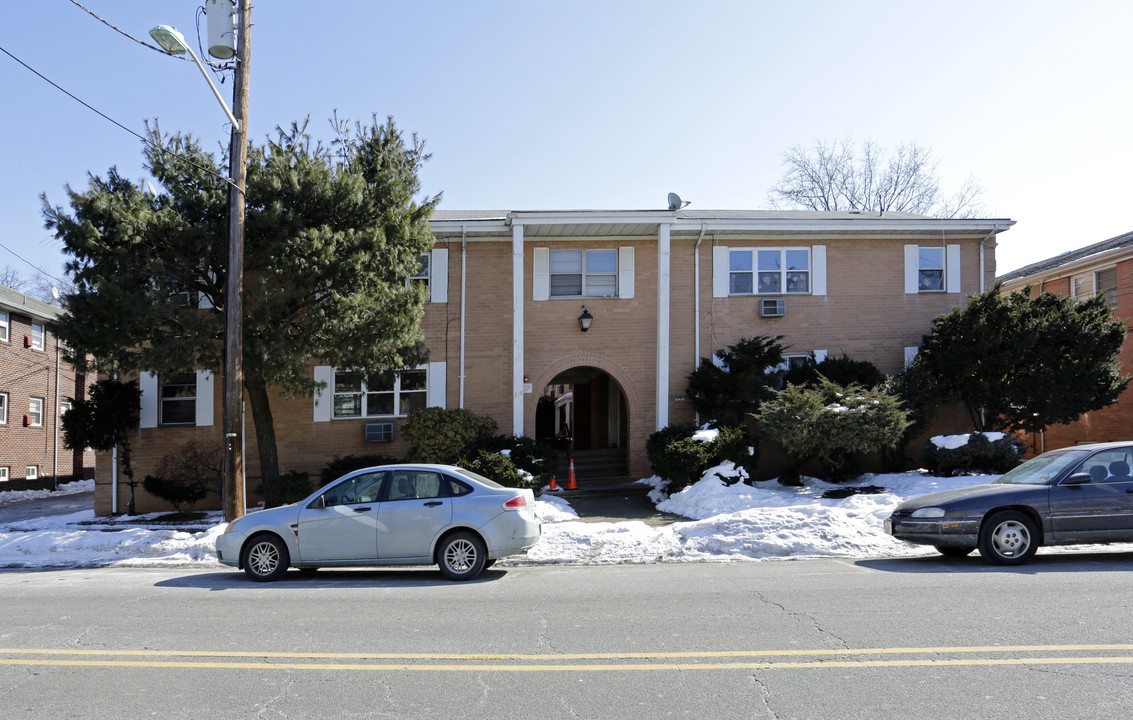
[[1070, 496]]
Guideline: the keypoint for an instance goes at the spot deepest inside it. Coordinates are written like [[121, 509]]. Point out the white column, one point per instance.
[[663, 325], [517, 329]]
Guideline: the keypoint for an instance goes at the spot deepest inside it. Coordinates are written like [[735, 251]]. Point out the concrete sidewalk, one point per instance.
[[616, 503], [45, 507]]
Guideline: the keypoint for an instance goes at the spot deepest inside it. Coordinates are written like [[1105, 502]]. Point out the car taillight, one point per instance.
[[516, 503]]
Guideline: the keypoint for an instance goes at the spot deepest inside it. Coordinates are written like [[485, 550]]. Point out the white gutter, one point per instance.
[[463, 303], [696, 303]]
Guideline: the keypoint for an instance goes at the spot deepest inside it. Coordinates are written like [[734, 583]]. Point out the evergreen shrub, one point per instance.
[[978, 454], [437, 435], [288, 488]]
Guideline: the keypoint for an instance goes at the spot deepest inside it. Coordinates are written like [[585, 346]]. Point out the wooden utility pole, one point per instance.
[[234, 285]]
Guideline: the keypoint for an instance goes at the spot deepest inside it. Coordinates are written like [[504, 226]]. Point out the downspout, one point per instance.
[[983, 265], [55, 435], [113, 472], [696, 304], [463, 303]]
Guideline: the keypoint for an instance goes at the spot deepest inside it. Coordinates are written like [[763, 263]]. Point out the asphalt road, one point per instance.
[[44, 507], [920, 638]]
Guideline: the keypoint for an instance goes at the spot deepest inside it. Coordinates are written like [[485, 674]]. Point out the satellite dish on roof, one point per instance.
[[675, 202], [54, 292]]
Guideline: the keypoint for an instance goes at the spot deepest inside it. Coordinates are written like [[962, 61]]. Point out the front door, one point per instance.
[[344, 526], [1100, 510]]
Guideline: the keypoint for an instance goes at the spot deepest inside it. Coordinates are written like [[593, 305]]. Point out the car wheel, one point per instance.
[[490, 563], [266, 558], [461, 556], [1008, 538], [954, 552]]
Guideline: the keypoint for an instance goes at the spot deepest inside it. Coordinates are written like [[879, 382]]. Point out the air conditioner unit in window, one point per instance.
[[772, 307], [379, 432]]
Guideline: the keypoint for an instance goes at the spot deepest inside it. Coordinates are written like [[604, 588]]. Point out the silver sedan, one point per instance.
[[388, 515]]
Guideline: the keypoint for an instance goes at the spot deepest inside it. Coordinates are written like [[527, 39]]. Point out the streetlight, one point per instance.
[[174, 43]]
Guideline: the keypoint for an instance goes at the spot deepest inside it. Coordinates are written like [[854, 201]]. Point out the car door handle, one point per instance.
[[362, 509], [434, 503]]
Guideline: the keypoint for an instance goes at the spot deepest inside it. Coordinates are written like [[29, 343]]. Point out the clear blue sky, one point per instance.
[[582, 104]]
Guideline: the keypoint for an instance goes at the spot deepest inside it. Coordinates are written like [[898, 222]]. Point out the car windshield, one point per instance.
[[1043, 469]]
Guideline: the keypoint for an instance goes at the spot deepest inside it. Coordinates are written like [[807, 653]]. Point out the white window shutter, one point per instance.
[[625, 273], [436, 384], [912, 269], [818, 265], [438, 276], [541, 274], [720, 271], [910, 355], [952, 264], [204, 398], [324, 399], [147, 418], [819, 355]]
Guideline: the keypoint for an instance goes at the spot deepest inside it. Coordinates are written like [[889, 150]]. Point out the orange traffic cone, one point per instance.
[[572, 482], [553, 485]]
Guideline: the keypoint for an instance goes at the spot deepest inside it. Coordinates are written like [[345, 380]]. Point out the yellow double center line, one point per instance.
[[580, 662]]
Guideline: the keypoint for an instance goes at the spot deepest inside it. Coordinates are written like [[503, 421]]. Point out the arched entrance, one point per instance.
[[583, 412]]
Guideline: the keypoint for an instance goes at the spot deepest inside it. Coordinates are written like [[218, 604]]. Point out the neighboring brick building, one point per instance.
[[663, 289], [1104, 267], [36, 385]]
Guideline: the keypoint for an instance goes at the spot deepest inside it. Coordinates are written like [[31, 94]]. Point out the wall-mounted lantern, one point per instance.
[[585, 319]]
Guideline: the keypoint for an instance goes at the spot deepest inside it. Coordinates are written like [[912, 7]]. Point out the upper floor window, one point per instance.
[[38, 336], [1087, 285], [421, 277], [392, 393], [178, 399], [35, 412], [771, 271], [3, 408], [930, 269], [584, 273], [4, 324]]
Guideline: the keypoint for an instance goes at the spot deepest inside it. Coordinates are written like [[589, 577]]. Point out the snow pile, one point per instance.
[[71, 488], [953, 442]]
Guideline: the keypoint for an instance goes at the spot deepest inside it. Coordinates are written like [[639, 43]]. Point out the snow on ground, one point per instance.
[[728, 523], [71, 488]]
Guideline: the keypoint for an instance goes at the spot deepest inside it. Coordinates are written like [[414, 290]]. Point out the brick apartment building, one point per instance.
[[36, 385], [1104, 267], [661, 289]]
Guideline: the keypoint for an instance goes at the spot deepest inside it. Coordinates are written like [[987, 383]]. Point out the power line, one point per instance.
[[140, 42], [98, 112], [32, 265]]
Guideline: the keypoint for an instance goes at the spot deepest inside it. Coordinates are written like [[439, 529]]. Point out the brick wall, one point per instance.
[[27, 373]]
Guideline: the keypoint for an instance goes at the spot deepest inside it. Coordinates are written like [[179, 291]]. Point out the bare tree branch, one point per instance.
[[833, 176]]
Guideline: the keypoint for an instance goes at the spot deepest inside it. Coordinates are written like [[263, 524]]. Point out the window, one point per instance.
[[421, 277], [1110, 466], [1087, 285], [415, 485], [392, 393], [3, 408], [178, 399], [35, 412], [772, 271], [38, 336], [64, 407], [31, 472], [4, 474], [362, 488], [4, 323], [584, 273], [930, 269]]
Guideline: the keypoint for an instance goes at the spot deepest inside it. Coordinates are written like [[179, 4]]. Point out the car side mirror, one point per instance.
[[319, 502], [1078, 479]]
